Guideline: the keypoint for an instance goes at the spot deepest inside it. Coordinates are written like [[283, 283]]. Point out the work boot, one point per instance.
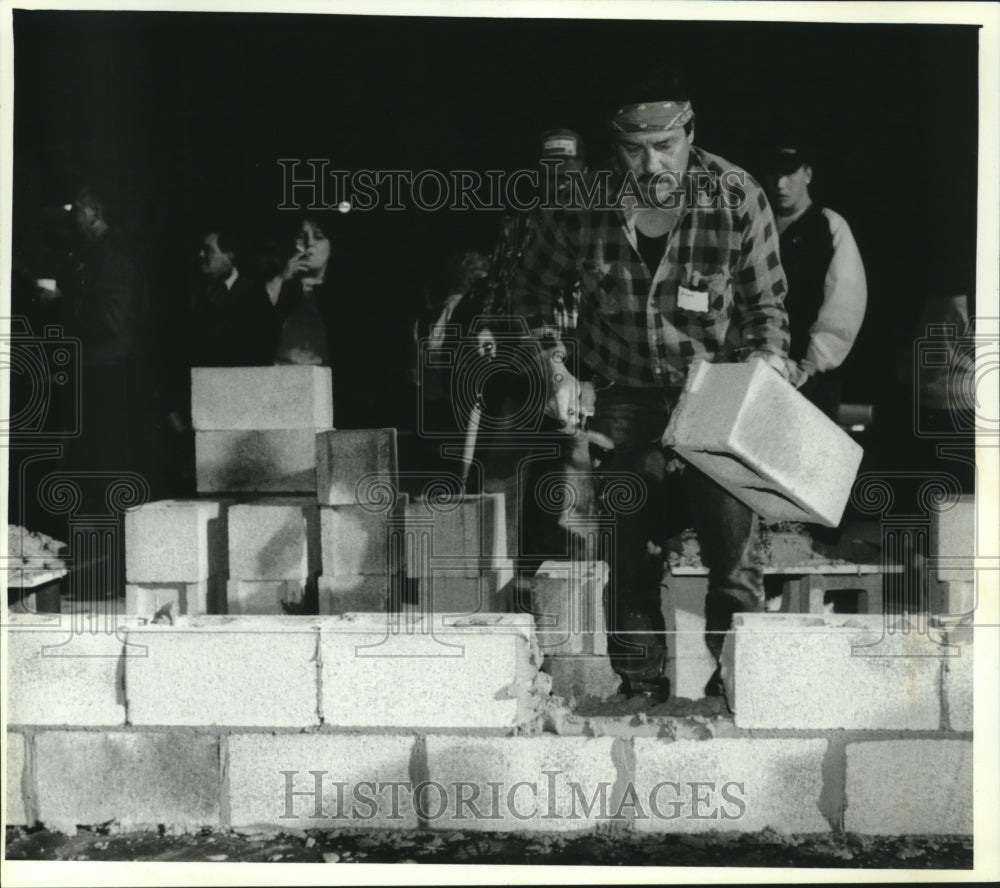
[[714, 686], [657, 690]]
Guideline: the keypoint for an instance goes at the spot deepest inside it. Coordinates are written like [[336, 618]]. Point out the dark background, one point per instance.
[[188, 114]]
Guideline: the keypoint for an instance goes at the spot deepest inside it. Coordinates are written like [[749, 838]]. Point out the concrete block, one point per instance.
[[473, 673], [730, 785], [15, 810], [43, 599], [959, 688], [87, 777], [274, 540], [347, 594], [567, 601], [273, 781], [953, 540], [817, 672], [808, 594], [690, 665], [754, 434], [953, 597], [175, 541], [262, 597], [63, 672], [466, 592], [189, 599], [352, 466], [269, 460], [281, 397], [909, 787], [355, 540], [510, 487], [586, 679], [546, 783], [459, 534], [233, 671]]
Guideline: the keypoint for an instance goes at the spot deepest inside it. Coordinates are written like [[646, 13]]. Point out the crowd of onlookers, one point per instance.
[[309, 290], [300, 288], [295, 295]]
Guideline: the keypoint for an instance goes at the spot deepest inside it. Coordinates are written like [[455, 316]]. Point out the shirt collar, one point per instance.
[[235, 273]]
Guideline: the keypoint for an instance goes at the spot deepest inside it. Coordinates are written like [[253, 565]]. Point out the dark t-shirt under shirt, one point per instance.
[[651, 249]]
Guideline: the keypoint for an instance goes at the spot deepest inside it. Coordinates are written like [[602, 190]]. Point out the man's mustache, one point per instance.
[[667, 177]]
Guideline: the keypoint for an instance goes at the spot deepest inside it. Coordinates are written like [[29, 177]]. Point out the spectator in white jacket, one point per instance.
[[827, 292]]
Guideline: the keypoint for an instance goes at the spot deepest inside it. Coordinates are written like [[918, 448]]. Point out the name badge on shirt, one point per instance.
[[692, 298]]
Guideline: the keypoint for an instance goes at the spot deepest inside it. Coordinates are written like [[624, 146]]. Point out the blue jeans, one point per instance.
[[673, 498]]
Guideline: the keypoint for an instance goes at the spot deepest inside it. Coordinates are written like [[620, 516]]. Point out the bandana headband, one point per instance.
[[652, 117]]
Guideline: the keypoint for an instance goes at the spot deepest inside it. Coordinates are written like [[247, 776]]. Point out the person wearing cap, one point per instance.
[[666, 281], [562, 152], [533, 532], [827, 292]]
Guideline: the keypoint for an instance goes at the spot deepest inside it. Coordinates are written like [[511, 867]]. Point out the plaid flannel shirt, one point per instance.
[[631, 329]]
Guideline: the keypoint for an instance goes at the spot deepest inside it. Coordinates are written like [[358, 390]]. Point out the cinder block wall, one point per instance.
[[331, 722]]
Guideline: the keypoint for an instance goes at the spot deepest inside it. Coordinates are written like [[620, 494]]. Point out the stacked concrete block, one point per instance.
[[584, 679], [362, 556], [356, 467], [321, 781], [459, 591], [462, 532], [268, 596], [952, 598], [936, 777], [63, 674], [233, 671], [471, 673], [730, 785], [274, 551], [689, 663], [15, 809], [355, 540], [456, 549], [358, 721], [358, 594], [808, 594], [824, 672], [754, 434], [289, 396], [952, 552], [958, 689], [547, 784], [953, 539], [137, 780], [567, 601], [171, 541], [255, 427], [264, 461], [175, 552], [181, 599]]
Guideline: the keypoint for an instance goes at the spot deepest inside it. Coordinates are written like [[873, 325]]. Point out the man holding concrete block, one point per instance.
[[681, 265]]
